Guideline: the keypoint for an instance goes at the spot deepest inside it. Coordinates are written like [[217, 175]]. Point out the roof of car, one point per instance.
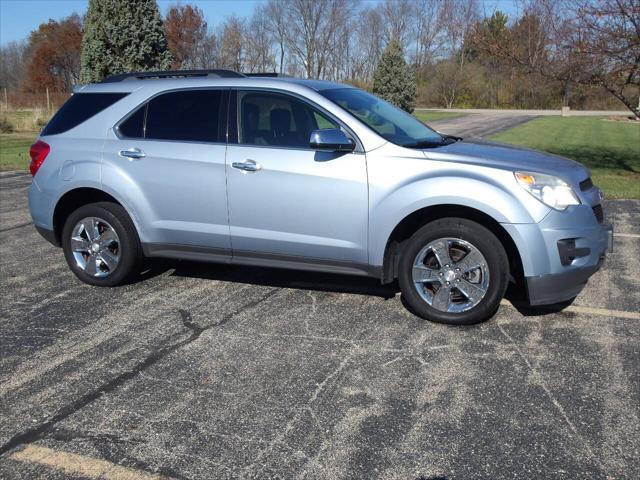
[[318, 85], [132, 83]]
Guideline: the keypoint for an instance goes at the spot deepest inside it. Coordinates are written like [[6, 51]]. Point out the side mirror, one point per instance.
[[331, 140]]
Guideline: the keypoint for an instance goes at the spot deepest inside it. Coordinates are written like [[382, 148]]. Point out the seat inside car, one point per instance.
[[250, 120], [280, 120]]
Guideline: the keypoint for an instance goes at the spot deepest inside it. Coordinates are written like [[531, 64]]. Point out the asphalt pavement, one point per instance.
[[205, 371], [479, 122], [476, 125]]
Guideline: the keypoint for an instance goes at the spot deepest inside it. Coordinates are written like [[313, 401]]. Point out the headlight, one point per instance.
[[550, 190]]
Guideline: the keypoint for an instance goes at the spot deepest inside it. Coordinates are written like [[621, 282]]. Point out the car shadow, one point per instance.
[[527, 310], [272, 277], [306, 280]]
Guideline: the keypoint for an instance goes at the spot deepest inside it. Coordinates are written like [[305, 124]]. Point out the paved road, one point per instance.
[[205, 371], [479, 125]]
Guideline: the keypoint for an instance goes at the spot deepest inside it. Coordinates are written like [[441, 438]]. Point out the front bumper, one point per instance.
[[559, 287], [567, 280], [48, 235]]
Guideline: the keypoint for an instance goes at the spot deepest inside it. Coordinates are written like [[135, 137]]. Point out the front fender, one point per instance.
[[504, 205]]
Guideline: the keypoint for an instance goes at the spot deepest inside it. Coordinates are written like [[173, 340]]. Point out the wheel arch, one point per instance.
[[417, 219], [74, 199]]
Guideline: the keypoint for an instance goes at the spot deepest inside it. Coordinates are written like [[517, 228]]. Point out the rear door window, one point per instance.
[[188, 115], [78, 109]]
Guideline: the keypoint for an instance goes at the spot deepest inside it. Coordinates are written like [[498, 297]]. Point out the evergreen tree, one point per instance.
[[122, 36], [393, 80]]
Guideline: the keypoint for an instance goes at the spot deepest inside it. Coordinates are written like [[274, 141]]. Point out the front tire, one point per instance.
[[453, 271], [101, 245]]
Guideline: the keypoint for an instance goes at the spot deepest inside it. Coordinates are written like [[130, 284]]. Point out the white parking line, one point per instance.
[[627, 235], [593, 311], [75, 464]]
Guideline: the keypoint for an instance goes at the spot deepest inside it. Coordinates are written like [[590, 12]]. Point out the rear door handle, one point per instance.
[[248, 166], [132, 153]]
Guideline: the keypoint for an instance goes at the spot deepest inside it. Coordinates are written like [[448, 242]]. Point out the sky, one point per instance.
[[19, 17]]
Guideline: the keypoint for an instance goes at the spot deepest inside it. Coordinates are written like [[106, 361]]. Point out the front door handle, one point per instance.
[[132, 153], [248, 166]]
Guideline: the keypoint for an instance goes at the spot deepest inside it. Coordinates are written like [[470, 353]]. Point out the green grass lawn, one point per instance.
[[14, 150], [610, 149], [433, 116]]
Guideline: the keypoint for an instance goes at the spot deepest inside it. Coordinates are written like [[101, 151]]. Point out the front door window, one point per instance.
[[275, 120]]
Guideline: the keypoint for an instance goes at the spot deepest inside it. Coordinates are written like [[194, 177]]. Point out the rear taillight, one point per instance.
[[38, 152]]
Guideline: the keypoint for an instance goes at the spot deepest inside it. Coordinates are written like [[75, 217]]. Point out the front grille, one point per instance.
[[586, 184], [599, 213]]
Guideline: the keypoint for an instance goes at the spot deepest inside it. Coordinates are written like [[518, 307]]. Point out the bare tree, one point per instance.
[[586, 42], [276, 16], [369, 43], [605, 39], [427, 30], [13, 59], [232, 44], [399, 16], [458, 19], [207, 54], [338, 57], [259, 41], [311, 26]]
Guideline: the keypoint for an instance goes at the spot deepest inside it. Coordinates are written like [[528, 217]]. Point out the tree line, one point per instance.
[[582, 53]]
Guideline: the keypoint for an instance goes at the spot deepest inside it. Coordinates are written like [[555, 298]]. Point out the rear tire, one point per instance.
[[453, 271], [101, 244]]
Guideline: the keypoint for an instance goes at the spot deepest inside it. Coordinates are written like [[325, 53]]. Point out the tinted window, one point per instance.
[[133, 127], [193, 115], [272, 119], [79, 108]]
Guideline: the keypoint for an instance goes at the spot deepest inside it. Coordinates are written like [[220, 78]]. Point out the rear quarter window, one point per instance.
[[133, 126], [78, 109]]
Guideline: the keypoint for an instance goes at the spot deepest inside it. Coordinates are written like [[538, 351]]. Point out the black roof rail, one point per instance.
[[266, 74], [220, 73]]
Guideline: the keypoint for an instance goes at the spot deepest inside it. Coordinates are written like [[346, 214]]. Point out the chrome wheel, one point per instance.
[[451, 275], [95, 246]]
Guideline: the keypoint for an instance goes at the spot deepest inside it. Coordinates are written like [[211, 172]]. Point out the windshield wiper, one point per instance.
[[444, 140], [452, 139], [426, 144]]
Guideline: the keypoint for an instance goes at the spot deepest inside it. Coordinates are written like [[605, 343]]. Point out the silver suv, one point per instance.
[[309, 175]]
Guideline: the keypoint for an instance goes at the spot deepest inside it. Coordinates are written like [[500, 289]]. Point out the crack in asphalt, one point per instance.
[[66, 435], [308, 406], [120, 457], [188, 322], [2, 230], [40, 431], [558, 406]]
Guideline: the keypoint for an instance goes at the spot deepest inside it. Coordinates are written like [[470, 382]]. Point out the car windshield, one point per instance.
[[388, 121]]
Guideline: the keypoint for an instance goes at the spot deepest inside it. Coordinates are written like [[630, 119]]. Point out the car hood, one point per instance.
[[510, 157]]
